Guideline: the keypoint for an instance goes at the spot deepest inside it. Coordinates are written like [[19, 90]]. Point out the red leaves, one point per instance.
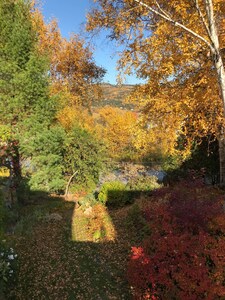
[[185, 255]]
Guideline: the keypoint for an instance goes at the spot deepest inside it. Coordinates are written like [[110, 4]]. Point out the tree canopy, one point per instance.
[[178, 47], [41, 75]]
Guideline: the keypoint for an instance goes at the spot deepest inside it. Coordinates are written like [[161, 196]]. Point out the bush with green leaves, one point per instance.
[[44, 158], [114, 193], [83, 154], [142, 183]]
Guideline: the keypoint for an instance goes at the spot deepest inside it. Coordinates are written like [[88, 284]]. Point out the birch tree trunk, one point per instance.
[[221, 79], [219, 67], [222, 159]]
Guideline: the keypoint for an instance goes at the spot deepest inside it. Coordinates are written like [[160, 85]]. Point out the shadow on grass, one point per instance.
[[65, 252], [52, 265], [71, 252]]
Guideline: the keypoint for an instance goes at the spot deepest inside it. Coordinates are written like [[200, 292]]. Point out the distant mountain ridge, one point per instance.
[[114, 95]]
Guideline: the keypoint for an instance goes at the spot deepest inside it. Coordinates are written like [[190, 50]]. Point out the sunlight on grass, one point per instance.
[[95, 226]]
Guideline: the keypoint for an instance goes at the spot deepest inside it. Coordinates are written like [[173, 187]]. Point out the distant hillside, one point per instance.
[[114, 95]]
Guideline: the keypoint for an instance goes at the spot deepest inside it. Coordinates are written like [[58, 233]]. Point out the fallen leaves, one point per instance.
[[51, 266]]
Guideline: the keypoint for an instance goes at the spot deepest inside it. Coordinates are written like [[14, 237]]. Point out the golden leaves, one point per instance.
[[76, 115], [115, 128], [73, 73]]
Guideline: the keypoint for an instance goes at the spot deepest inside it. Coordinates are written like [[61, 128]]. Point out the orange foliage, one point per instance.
[[74, 75]]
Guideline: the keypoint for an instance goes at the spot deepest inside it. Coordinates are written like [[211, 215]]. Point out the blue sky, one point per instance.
[[71, 18]]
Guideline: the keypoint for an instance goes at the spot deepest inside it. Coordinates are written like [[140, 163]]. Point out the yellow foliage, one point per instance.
[[4, 172], [115, 127], [74, 74], [76, 115], [181, 96]]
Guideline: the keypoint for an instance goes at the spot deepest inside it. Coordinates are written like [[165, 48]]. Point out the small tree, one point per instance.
[[42, 150], [83, 156]]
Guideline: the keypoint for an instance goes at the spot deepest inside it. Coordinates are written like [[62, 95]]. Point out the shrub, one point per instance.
[[43, 159], [114, 193], [143, 183], [184, 256], [82, 187]]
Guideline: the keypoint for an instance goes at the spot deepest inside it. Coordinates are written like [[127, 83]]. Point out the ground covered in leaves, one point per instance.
[[53, 264], [70, 252]]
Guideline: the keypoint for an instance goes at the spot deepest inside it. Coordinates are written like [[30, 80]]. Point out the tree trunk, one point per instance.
[[219, 68], [222, 159], [218, 63], [221, 79], [18, 193], [69, 182]]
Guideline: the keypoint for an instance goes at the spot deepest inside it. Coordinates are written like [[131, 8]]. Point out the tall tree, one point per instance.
[[178, 46], [73, 72], [26, 108]]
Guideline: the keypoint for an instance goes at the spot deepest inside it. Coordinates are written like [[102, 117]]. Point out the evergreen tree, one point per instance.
[[84, 156], [26, 108]]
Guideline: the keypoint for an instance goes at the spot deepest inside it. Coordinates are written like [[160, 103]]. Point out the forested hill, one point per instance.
[[114, 95]]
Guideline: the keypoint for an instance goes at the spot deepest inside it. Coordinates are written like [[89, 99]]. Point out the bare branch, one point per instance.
[[69, 182], [212, 27], [163, 11], [202, 18], [178, 24]]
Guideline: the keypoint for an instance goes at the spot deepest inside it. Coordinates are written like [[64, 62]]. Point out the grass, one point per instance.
[[61, 260]]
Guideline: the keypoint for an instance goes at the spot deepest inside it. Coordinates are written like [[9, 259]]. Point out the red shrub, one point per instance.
[[184, 258]]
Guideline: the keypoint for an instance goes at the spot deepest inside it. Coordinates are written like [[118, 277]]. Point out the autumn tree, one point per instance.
[[73, 84], [41, 73], [116, 128], [70, 117], [73, 72], [178, 47]]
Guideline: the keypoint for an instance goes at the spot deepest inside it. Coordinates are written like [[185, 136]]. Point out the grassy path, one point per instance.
[[52, 266]]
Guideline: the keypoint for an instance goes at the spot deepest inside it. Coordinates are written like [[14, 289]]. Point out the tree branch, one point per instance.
[[68, 184], [212, 27], [178, 24], [163, 11], [202, 18]]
